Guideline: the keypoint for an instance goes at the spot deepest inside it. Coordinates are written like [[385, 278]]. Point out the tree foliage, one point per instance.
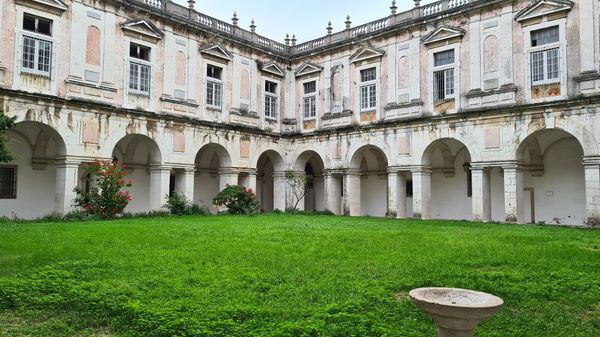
[[6, 123]]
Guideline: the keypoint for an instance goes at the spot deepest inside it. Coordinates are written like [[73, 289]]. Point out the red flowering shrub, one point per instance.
[[105, 199], [238, 200]]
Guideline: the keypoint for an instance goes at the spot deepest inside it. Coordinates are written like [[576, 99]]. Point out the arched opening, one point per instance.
[[211, 162], [553, 178], [141, 155], [451, 189], [270, 181], [367, 194], [28, 187], [310, 164]]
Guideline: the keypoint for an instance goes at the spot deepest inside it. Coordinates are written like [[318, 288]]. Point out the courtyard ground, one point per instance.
[[282, 275]]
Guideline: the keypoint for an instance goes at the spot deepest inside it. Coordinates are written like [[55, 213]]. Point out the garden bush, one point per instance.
[[178, 204], [105, 199], [238, 200]]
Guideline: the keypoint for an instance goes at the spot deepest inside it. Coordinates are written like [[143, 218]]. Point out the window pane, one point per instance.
[[45, 48], [214, 72], [271, 87], [310, 87], [449, 82], [139, 52], [8, 182], [28, 52], [368, 75], [133, 76], [545, 36], [553, 63], [145, 78], [29, 23], [537, 66], [444, 58], [44, 26], [439, 85], [210, 87]]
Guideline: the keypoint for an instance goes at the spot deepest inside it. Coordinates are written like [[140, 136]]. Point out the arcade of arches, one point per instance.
[[547, 182]]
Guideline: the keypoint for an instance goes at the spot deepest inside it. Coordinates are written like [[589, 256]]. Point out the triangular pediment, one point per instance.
[[143, 27], [543, 7], [273, 68], [366, 53], [443, 33], [308, 68], [55, 6], [217, 50]]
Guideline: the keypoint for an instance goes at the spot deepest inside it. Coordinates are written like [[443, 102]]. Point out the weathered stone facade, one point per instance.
[[459, 109]]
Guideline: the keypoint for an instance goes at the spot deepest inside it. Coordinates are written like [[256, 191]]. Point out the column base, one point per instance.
[[593, 222]]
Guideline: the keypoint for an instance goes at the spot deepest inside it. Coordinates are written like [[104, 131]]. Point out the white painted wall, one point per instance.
[[206, 187], [373, 195]]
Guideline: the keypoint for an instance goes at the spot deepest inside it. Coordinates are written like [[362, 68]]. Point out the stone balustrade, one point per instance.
[[171, 8]]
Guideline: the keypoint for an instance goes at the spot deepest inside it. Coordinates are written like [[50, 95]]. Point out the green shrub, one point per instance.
[[178, 204], [238, 200], [104, 200]]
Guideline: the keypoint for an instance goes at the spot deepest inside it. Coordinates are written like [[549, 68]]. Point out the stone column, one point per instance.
[[227, 176], [159, 186], [592, 190], [352, 193], [66, 181], [401, 196], [513, 193], [392, 209], [279, 191], [482, 194], [422, 192], [332, 193], [251, 185], [184, 182]]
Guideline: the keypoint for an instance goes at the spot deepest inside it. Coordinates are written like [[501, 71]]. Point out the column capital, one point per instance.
[[352, 172], [591, 160], [330, 172], [228, 170], [512, 165], [70, 161], [423, 169], [159, 168]]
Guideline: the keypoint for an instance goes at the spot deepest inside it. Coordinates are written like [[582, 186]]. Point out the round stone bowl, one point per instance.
[[456, 311]]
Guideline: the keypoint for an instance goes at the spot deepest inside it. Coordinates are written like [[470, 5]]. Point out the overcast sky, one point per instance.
[[305, 18]]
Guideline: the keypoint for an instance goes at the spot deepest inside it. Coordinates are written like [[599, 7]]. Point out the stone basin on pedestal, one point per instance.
[[456, 311]]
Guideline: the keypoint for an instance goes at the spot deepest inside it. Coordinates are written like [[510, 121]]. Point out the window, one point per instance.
[[271, 99], [140, 69], [310, 100], [8, 182], [37, 45], [545, 56], [214, 86], [368, 89], [443, 75]]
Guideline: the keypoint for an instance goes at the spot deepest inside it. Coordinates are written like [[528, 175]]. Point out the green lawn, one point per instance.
[[281, 275]]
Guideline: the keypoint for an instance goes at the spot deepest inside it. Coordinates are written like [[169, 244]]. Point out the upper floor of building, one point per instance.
[[447, 57]]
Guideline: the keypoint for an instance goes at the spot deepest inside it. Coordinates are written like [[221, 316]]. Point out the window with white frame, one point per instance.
[[444, 64], [214, 86], [545, 56], [271, 100], [8, 182], [368, 89], [309, 99], [140, 69], [36, 54]]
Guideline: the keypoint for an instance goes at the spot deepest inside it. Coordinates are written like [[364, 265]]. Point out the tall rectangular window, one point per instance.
[[271, 100], [309, 99], [545, 56], [443, 75], [8, 182], [368, 89], [36, 56], [140, 69], [214, 86]]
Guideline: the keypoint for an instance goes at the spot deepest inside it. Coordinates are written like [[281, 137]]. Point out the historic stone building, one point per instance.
[[458, 109]]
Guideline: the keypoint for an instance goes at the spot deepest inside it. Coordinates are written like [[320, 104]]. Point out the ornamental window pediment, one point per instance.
[[53, 6], [443, 33], [142, 28], [543, 8], [273, 69], [366, 53], [308, 68], [217, 50]]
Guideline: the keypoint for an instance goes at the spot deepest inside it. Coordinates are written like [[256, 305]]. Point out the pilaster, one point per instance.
[[481, 197], [159, 186], [591, 166], [421, 176], [513, 192], [66, 181], [352, 192]]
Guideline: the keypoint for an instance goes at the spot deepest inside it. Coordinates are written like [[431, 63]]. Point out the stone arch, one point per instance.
[[211, 150], [180, 68], [213, 173], [270, 181], [311, 164], [39, 153], [92, 52], [130, 150], [449, 189], [366, 182], [553, 177], [490, 52]]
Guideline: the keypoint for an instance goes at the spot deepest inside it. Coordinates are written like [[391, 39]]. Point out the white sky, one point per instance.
[[307, 18]]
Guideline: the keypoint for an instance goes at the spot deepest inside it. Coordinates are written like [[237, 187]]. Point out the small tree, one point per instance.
[[105, 199], [5, 124], [297, 184], [237, 199]]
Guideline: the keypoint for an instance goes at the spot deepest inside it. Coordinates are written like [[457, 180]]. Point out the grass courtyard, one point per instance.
[[282, 275]]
